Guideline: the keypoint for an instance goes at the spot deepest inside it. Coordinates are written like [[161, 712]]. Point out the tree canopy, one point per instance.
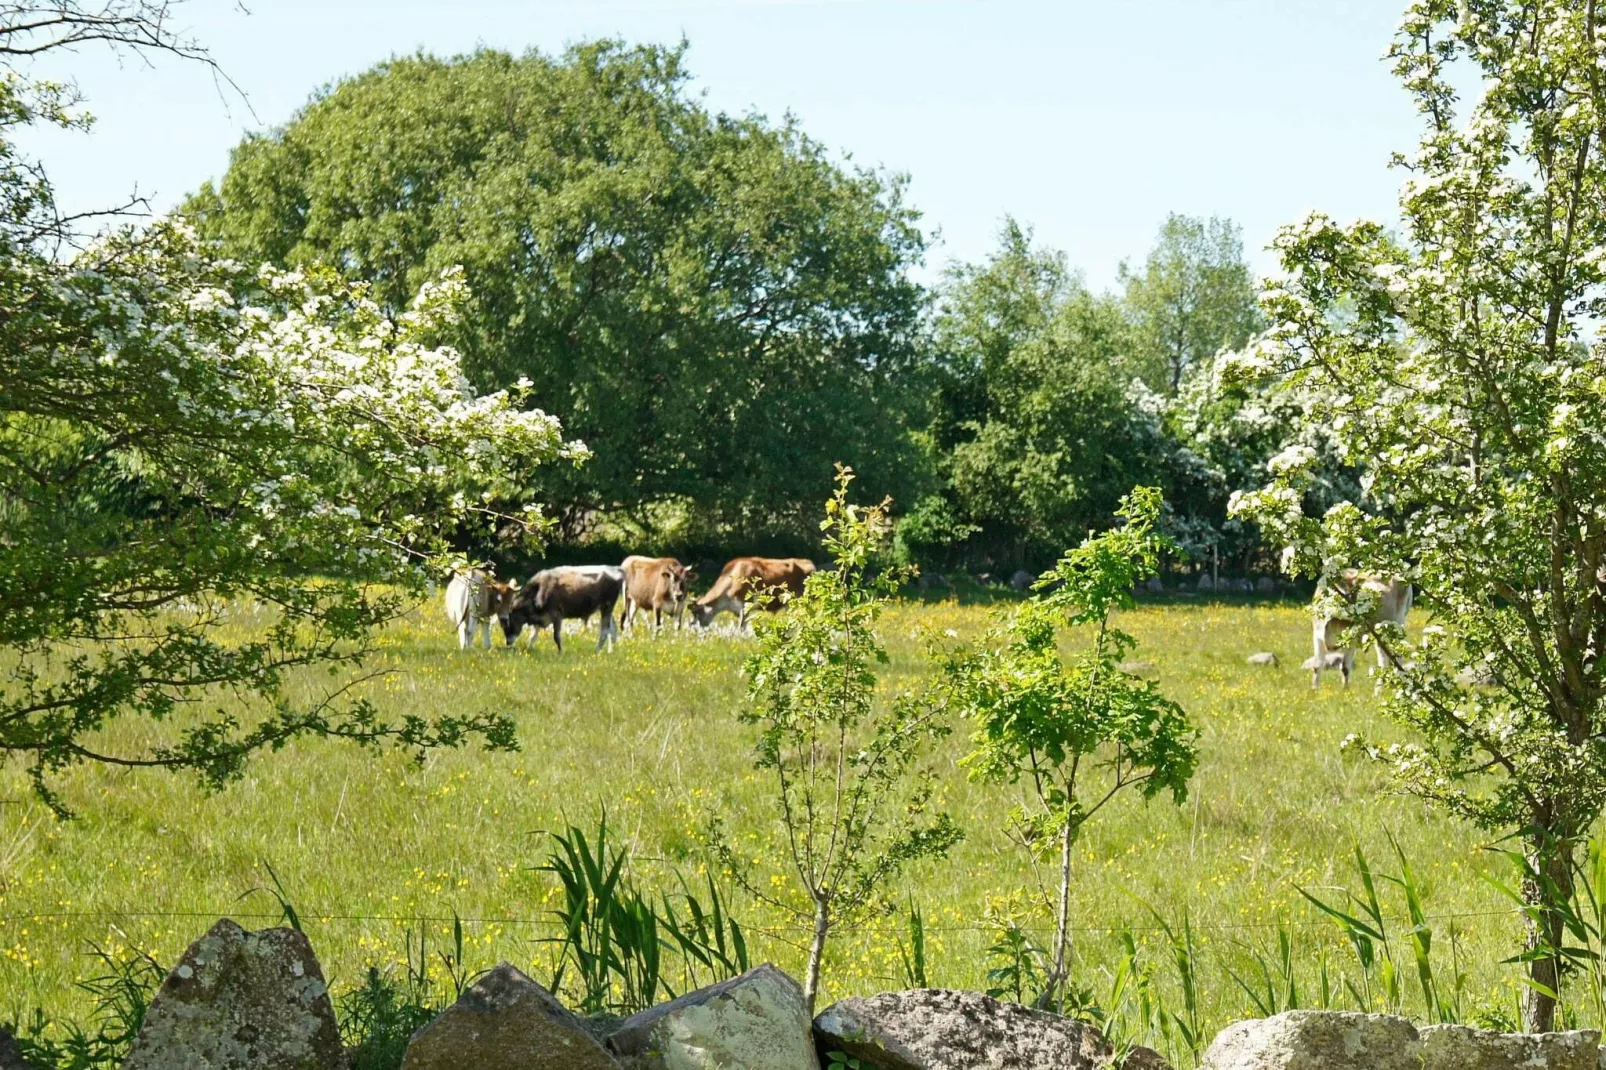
[[716, 307], [1193, 297], [1039, 431]]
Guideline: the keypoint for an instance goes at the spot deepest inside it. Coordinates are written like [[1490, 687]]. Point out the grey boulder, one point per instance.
[[757, 1021], [505, 1021], [942, 1029], [1316, 1040], [1343, 1040], [11, 1055], [1022, 580], [241, 1000], [1459, 1047], [1265, 657]]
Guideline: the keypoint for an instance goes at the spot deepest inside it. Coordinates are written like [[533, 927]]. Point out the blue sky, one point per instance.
[[1087, 120]]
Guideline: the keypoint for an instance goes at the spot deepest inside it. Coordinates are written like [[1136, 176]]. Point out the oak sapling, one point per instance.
[[1076, 733], [853, 804]]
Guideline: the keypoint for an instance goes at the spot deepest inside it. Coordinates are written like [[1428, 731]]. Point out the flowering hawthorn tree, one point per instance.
[[1470, 383], [184, 444]]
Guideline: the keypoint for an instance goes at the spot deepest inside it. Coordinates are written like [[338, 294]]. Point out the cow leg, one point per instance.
[[464, 635], [557, 634], [485, 633], [1318, 658], [1348, 665]]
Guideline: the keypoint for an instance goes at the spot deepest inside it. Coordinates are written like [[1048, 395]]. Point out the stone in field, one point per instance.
[[757, 1021], [1344, 1040], [1317, 1040], [941, 1029], [1459, 1047], [1022, 580], [1265, 657], [505, 1021], [241, 1000], [10, 1054]]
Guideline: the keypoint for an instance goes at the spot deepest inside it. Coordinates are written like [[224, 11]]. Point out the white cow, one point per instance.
[[473, 600], [1373, 600]]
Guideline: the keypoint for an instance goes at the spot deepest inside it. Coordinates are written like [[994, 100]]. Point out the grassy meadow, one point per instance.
[[372, 849]]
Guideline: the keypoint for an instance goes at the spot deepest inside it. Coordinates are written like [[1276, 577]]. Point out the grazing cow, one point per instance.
[[1386, 601], [573, 592], [658, 584], [473, 600], [744, 581]]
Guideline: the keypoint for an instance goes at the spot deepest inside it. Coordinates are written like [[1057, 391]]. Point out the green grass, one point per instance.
[[366, 844]]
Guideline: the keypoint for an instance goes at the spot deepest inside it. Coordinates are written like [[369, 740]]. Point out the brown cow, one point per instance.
[[742, 583], [572, 592], [658, 584]]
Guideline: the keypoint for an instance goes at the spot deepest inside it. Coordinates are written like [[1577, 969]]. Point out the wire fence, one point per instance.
[[448, 919]]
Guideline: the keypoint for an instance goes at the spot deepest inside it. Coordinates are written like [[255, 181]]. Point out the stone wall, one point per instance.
[[242, 1000]]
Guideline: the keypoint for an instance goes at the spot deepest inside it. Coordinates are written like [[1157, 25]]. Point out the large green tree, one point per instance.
[[717, 307], [1192, 297], [1471, 386], [1040, 430]]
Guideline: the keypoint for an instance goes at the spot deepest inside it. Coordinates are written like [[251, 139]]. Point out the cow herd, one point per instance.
[[656, 585], [661, 586]]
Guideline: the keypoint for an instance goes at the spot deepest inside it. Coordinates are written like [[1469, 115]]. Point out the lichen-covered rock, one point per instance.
[[757, 1021], [1342, 1040], [10, 1054], [1317, 1040], [1459, 1047], [241, 1000], [940, 1029], [505, 1021]]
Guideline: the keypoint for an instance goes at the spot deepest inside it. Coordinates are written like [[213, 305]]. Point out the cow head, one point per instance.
[[521, 608], [499, 597], [702, 614], [673, 584]]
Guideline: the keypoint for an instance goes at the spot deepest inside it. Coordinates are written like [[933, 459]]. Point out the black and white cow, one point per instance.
[[570, 592]]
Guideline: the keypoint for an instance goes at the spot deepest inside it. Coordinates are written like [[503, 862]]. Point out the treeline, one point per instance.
[[721, 311]]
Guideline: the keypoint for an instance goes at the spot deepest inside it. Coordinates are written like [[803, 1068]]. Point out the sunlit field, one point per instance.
[[372, 849]]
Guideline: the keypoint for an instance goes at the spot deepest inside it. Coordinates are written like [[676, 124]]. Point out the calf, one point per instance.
[[746, 581], [658, 584], [473, 600], [554, 595], [1372, 601]]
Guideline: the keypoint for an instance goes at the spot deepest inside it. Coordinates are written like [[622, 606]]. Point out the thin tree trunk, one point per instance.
[[1062, 933], [822, 929], [1551, 856]]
